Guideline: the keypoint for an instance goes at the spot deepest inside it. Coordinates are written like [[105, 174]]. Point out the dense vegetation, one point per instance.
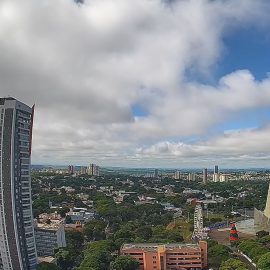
[[233, 264], [255, 249], [217, 254], [96, 246]]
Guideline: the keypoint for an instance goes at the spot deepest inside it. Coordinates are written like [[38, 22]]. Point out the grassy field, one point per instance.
[[183, 226]]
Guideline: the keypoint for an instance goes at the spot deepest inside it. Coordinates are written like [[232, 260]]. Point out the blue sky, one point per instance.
[[246, 48]]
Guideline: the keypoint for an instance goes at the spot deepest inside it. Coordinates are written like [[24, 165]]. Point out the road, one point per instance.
[[245, 261]]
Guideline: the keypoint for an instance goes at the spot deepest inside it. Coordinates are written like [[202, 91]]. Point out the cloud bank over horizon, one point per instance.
[[132, 83]]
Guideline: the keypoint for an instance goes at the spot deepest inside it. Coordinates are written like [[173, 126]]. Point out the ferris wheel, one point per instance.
[[198, 232]]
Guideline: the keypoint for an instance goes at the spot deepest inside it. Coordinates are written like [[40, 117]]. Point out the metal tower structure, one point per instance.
[[199, 232]]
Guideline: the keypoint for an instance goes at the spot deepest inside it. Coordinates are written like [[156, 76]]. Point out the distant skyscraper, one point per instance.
[[223, 178], [83, 170], [204, 176], [216, 177], [156, 173], [93, 170], [216, 169], [177, 175], [17, 241], [191, 177], [70, 169]]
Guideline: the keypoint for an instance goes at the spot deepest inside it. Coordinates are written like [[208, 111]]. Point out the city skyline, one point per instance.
[[117, 86]]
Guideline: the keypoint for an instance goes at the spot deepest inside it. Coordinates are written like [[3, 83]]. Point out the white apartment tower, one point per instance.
[[191, 177], [177, 175], [93, 170], [17, 241]]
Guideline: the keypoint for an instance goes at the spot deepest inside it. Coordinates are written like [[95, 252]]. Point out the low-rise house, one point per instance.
[[81, 214]]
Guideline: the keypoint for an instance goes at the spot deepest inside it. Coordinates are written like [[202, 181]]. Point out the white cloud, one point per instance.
[[86, 66], [238, 145]]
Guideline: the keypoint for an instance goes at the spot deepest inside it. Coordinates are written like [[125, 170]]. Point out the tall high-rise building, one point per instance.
[[177, 175], [156, 173], [205, 176], [17, 241], [83, 170], [70, 169], [191, 177], [216, 177], [223, 177], [93, 170], [216, 169]]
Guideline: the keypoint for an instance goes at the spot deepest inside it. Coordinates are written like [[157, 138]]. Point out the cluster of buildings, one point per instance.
[[152, 174], [92, 170], [205, 178], [216, 176]]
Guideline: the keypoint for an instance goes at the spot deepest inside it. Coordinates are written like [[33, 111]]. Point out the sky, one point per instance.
[[145, 83]]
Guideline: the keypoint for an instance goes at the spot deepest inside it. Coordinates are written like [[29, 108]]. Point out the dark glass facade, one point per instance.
[[17, 242]]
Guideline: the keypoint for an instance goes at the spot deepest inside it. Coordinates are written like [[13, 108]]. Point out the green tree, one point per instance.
[[106, 209], [246, 246], [144, 232], [264, 240], [233, 264], [68, 219], [120, 241], [261, 234], [264, 262], [94, 230], [125, 263], [63, 211], [88, 232], [71, 255], [74, 240], [174, 235], [64, 258], [253, 249], [127, 212], [256, 252], [124, 233], [217, 254], [218, 250], [177, 201], [98, 255], [47, 266]]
